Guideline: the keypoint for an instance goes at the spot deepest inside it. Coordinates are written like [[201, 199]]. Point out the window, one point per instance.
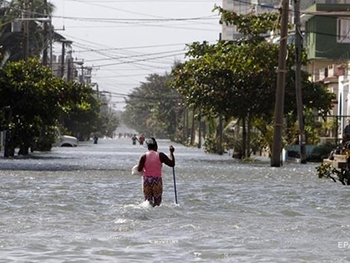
[[343, 30]]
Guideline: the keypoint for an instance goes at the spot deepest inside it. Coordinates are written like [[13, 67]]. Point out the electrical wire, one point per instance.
[[125, 56]]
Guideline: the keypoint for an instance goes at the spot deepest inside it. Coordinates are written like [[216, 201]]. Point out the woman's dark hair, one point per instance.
[[152, 144]]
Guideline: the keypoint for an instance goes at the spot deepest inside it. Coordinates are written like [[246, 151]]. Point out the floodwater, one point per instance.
[[83, 205]]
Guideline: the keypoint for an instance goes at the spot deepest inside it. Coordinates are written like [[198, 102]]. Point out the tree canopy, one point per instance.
[[32, 98], [151, 108], [238, 78]]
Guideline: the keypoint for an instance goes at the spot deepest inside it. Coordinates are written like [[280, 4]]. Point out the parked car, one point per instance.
[[66, 141]]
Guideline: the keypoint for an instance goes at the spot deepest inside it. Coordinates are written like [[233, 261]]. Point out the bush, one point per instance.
[[321, 152], [211, 145]]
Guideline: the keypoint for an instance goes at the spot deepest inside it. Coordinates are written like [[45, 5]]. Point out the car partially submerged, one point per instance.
[[66, 141]]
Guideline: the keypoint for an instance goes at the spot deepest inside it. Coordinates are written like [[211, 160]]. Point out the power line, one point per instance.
[[130, 59], [137, 60], [114, 8], [135, 20], [133, 47], [136, 56], [140, 1]]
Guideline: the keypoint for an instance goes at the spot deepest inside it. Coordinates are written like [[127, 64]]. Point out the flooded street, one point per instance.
[[83, 205]]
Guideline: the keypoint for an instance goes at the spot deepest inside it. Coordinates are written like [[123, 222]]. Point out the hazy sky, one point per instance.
[[126, 40]]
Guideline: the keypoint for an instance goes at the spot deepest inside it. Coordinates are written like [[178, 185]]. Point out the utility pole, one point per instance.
[[51, 34], [199, 129], [298, 85], [26, 30], [69, 67], [63, 57], [280, 89], [221, 123], [46, 36], [65, 43]]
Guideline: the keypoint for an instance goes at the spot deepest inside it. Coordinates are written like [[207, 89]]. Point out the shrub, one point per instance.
[[321, 152]]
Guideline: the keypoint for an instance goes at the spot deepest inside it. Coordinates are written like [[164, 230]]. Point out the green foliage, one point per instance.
[[322, 151], [32, 100], [152, 108], [211, 144], [31, 90], [265, 137], [324, 170], [43, 140], [228, 81], [249, 25], [108, 120], [81, 117], [239, 79], [88, 114]]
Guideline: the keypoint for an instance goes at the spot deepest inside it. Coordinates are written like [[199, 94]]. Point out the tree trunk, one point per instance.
[[244, 137], [23, 150], [199, 129], [9, 148], [192, 129], [220, 134], [249, 124]]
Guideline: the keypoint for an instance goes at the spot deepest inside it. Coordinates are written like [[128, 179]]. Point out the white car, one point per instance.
[[66, 141]]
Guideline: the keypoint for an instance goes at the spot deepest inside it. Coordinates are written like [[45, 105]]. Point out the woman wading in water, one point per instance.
[[150, 165]]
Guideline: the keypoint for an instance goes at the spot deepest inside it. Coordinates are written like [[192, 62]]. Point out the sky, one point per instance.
[[124, 41]]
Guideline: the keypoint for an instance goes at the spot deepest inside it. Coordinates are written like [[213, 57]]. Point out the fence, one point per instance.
[[332, 128]]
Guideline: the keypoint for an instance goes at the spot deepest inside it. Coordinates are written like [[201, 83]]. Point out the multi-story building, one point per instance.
[[326, 27], [263, 6], [245, 7]]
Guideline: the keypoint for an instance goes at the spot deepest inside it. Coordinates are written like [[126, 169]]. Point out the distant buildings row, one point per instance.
[[68, 68]]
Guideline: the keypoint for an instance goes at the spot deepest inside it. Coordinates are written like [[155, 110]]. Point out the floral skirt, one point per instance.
[[153, 189]]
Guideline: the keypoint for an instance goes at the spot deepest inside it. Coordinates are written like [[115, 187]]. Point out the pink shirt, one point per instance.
[[153, 165]]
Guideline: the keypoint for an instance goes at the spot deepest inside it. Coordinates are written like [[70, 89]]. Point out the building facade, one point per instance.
[[327, 32], [264, 6], [326, 28], [245, 8]]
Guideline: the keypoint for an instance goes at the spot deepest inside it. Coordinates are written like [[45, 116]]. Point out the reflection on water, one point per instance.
[[83, 205]]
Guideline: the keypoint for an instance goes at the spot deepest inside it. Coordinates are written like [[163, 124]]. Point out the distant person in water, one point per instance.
[[142, 139], [150, 164], [134, 139]]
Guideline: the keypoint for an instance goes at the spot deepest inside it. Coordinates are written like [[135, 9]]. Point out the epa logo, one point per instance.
[[344, 245]]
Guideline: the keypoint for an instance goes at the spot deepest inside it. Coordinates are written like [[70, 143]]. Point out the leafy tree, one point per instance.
[[33, 100], [151, 108], [228, 80], [30, 96], [108, 120], [250, 26], [238, 79], [82, 118]]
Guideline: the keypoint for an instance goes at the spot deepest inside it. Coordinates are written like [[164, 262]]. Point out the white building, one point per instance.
[[245, 8]]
